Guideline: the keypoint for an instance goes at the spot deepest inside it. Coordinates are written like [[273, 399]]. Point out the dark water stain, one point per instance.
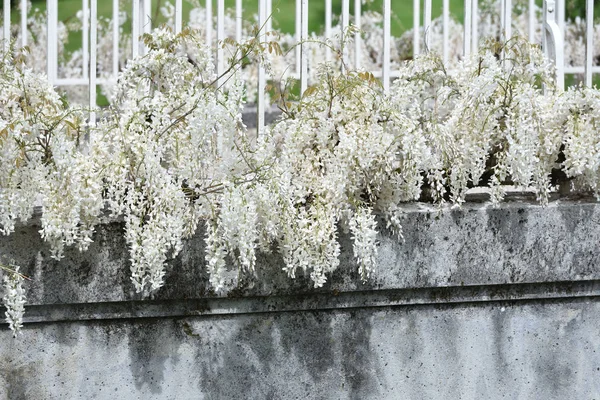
[[264, 346], [150, 347]]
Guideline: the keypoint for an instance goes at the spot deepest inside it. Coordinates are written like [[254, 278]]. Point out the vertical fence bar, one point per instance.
[[345, 23], [475, 26], [507, 28], [209, 23], [427, 24], [560, 16], [501, 11], [142, 24], [303, 50], [178, 16], [387, 36], [260, 96], [327, 29], [135, 28], [445, 31], [85, 38], [52, 31], [220, 38], [24, 32], [220, 58], [115, 58], [553, 42], [589, 41], [298, 36], [93, 56], [357, 37], [238, 21], [467, 33], [416, 28], [269, 25], [147, 17], [6, 23], [531, 24]]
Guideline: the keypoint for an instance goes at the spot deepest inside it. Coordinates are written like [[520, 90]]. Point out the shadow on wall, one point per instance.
[[251, 356]]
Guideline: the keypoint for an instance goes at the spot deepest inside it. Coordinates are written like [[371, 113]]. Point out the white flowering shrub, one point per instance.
[[487, 116], [171, 142], [580, 108], [340, 155], [41, 162], [171, 153]]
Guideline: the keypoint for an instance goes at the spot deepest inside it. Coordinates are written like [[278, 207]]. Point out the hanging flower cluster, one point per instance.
[[172, 152], [490, 121], [42, 162], [169, 145]]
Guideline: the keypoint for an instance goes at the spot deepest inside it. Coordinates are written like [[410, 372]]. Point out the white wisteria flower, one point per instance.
[[14, 298]]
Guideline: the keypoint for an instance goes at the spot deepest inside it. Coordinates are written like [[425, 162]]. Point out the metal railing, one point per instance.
[[553, 34]]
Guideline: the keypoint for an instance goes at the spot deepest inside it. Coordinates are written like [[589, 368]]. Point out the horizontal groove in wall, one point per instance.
[[311, 302]]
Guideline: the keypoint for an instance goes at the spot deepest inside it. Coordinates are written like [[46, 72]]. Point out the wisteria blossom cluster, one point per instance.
[[491, 121], [14, 298], [168, 149], [41, 160], [168, 158], [42, 163]]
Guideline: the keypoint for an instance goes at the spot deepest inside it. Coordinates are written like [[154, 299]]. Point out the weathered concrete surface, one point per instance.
[[478, 245], [494, 351], [476, 303]]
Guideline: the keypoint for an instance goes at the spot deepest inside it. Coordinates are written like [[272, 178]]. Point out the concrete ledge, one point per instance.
[[519, 242], [312, 302], [481, 302]]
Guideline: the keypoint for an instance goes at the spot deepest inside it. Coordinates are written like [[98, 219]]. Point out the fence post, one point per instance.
[[209, 24], [357, 37], [445, 31], [327, 29], [427, 24], [93, 55], [507, 19], [178, 16], [531, 25], [475, 26], [147, 17], [298, 36], [467, 33], [269, 14], [560, 16], [135, 28], [6, 23], [387, 19], [115, 60], [345, 24], [24, 32], [85, 38], [238, 20], [303, 52], [220, 38], [589, 41], [416, 28], [260, 99], [553, 42], [52, 33]]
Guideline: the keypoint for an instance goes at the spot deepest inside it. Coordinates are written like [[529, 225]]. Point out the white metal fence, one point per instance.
[[553, 32]]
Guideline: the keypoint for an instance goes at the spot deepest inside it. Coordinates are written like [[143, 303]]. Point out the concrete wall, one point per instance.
[[478, 303]]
